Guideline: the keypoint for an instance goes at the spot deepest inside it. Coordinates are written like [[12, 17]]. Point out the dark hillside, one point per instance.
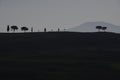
[[65, 41], [59, 56]]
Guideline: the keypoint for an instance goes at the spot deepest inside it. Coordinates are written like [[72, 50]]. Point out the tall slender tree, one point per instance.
[[31, 29], [8, 28], [58, 29], [45, 30]]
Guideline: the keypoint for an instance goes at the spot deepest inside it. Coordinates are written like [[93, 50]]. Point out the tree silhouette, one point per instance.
[[58, 29], [45, 30], [31, 29], [8, 28], [104, 28], [14, 28], [99, 28], [24, 29]]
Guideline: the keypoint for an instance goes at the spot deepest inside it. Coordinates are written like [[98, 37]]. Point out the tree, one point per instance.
[[99, 28], [8, 28], [58, 29], [14, 28], [24, 29], [104, 28], [45, 30], [31, 29]]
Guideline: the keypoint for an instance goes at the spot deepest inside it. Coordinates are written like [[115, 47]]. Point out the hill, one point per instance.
[[57, 41], [59, 55], [91, 27]]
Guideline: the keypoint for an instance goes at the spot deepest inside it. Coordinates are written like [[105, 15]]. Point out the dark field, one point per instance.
[[59, 56]]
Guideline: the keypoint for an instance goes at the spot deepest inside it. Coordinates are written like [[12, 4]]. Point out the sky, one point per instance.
[[52, 14]]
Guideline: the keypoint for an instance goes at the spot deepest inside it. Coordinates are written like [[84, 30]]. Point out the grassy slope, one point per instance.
[[59, 56]]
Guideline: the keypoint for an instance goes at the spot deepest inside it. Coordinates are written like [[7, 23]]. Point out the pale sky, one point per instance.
[[57, 13]]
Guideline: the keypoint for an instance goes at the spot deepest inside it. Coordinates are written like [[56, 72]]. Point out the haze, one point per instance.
[[52, 14]]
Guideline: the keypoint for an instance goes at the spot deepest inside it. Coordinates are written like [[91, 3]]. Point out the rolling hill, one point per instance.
[[59, 56]]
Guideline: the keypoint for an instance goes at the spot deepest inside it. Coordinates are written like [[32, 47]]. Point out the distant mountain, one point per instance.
[[91, 27]]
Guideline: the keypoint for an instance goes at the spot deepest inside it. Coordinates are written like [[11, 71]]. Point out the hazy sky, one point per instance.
[[57, 13]]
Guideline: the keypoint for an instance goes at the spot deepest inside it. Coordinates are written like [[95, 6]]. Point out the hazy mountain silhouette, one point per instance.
[[90, 27]]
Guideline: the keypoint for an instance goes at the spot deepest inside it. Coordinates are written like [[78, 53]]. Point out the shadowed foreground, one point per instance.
[[59, 56]]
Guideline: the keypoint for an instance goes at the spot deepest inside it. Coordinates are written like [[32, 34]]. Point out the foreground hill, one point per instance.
[[59, 56], [25, 43]]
